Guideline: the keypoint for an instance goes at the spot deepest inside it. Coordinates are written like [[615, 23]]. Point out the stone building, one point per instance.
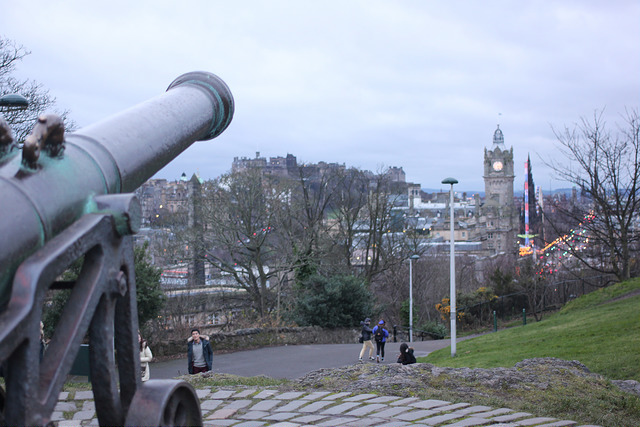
[[280, 166], [490, 223], [496, 221]]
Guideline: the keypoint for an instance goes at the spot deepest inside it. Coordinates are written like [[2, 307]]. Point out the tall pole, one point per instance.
[[452, 269], [526, 202], [410, 300], [411, 258]]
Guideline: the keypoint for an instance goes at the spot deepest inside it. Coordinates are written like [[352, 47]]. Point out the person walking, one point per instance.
[[145, 357], [380, 334], [406, 356], [365, 339], [199, 353], [43, 341]]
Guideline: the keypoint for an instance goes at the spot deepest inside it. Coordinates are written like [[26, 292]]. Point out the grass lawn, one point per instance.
[[600, 329]]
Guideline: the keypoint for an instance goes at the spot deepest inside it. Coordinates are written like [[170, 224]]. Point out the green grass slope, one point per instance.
[[600, 329]]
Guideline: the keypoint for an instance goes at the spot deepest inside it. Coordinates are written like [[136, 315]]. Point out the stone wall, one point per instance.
[[245, 339]]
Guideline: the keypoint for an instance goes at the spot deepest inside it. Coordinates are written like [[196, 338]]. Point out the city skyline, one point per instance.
[[373, 84]]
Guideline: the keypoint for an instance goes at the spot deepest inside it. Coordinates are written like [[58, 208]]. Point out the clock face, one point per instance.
[[497, 166]]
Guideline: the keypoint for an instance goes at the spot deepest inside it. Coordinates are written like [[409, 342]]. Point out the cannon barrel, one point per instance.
[[115, 155]]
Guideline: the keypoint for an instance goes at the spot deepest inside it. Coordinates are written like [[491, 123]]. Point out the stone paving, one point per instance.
[[265, 407]]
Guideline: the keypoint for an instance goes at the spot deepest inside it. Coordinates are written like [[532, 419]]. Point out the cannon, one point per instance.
[[68, 197]]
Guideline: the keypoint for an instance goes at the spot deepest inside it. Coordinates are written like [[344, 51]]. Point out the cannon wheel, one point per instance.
[[164, 403]]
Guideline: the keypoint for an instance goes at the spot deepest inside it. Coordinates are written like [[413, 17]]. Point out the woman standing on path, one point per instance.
[[380, 334], [365, 336], [145, 357]]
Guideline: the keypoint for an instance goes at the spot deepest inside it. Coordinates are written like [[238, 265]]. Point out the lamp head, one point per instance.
[[450, 181], [14, 100]]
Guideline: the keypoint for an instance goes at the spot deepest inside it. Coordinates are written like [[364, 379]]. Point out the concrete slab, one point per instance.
[[339, 409], [266, 405], [244, 393], [431, 403], [210, 405], [366, 409]]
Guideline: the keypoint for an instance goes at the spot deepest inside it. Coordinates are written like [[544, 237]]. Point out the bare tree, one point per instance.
[[382, 242], [239, 213], [605, 168], [349, 203], [338, 215], [302, 226], [40, 101]]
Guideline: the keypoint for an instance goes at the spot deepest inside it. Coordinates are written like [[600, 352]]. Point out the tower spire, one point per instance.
[[498, 139]]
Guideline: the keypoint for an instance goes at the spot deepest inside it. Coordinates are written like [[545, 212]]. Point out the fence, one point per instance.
[[547, 297], [401, 333]]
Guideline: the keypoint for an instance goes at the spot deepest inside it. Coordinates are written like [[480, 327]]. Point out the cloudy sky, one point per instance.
[[371, 84]]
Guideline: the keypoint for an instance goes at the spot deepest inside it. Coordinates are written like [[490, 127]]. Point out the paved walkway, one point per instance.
[[265, 407], [240, 407], [288, 362]]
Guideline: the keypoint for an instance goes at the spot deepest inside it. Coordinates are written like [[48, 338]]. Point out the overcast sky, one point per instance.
[[371, 84]]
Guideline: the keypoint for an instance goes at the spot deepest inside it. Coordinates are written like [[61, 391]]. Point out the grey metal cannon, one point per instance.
[[64, 198]]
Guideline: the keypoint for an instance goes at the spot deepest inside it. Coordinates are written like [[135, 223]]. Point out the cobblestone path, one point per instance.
[[266, 407]]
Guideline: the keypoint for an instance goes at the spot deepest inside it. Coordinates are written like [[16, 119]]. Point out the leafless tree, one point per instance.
[[381, 241], [604, 166], [349, 203], [302, 225], [270, 231], [40, 101], [239, 213]]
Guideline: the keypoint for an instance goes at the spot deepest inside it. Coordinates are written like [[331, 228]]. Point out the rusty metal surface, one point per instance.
[[59, 203]]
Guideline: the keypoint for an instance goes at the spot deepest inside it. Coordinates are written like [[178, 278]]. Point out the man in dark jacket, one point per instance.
[[199, 353], [366, 339]]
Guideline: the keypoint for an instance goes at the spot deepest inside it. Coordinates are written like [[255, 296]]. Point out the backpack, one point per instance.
[[379, 336]]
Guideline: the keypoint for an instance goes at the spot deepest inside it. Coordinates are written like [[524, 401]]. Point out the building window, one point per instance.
[[190, 319], [214, 319]]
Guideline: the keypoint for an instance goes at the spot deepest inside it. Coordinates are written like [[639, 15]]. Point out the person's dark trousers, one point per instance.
[[197, 370], [380, 349]]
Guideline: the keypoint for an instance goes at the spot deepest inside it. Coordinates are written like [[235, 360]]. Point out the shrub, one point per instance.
[[339, 301], [438, 330]]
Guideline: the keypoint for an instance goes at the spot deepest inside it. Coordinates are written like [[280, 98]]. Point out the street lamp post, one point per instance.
[[452, 268], [411, 258]]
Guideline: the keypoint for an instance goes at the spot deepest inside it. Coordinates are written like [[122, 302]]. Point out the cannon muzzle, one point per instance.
[[57, 178]]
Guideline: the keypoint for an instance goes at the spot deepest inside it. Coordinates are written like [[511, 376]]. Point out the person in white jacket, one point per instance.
[[145, 357]]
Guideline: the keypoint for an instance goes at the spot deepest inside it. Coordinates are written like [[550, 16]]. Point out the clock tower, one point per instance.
[[498, 209], [498, 173]]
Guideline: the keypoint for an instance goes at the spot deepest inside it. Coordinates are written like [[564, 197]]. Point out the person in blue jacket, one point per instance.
[[199, 353], [380, 335]]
